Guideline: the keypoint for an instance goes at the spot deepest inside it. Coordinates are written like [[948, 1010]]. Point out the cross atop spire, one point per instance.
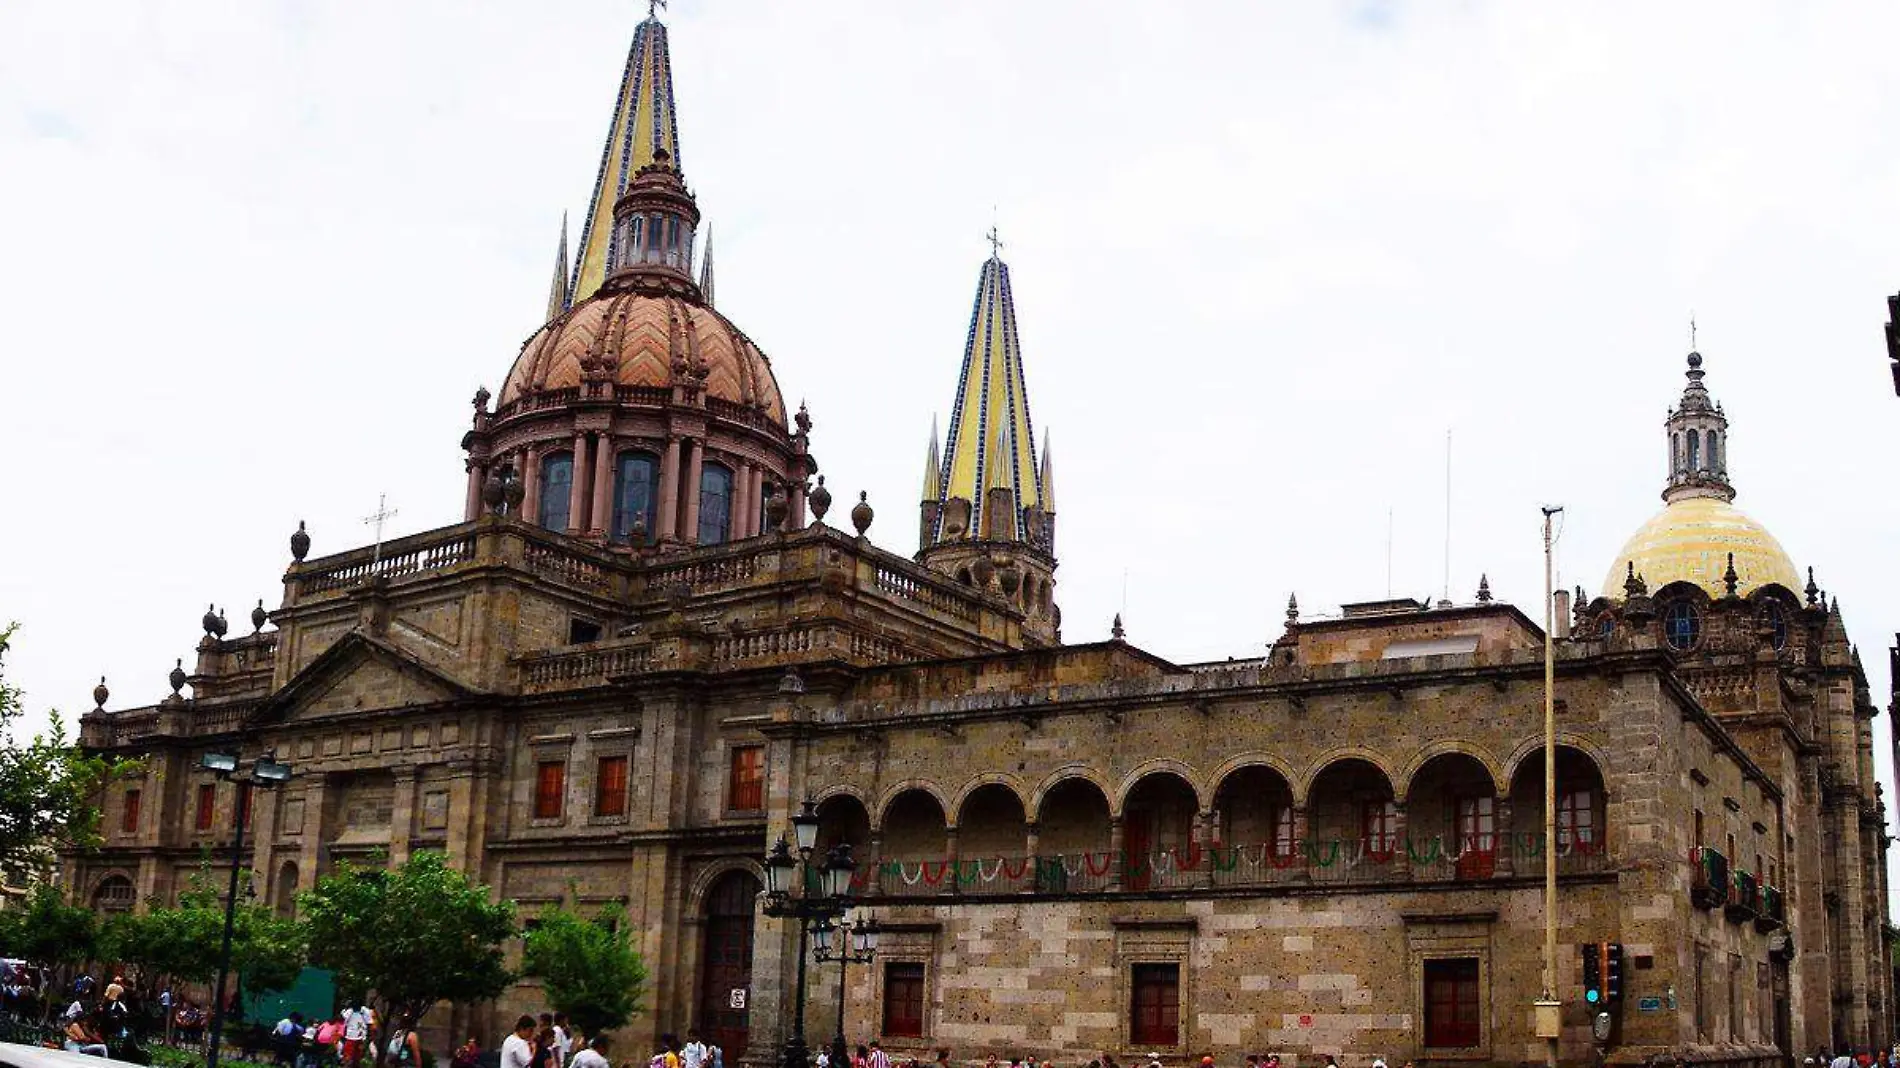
[[996, 243], [653, 8]]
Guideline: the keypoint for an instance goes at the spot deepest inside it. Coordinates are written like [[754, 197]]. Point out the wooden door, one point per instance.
[[725, 963]]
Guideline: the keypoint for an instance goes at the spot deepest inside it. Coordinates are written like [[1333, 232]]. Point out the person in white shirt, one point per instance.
[[517, 1051], [694, 1055], [595, 1055], [563, 1039], [356, 1025]]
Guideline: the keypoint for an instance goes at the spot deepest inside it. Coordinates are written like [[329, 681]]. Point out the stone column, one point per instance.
[[531, 485], [796, 519], [472, 507], [875, 885], [1203, 832], [1301, 827], [952, 860], [743, 507], [402, 816], [310, 855], [1401, 865], [1505, 841], [1115, 857], [603, 485], [689, 531], [669, 492], [577, 488]]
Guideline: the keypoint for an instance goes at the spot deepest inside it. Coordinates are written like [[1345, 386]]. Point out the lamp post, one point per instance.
[[848, 944], [824, 893], [266, 772]]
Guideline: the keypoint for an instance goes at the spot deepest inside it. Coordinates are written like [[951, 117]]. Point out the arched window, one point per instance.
[[1675, 453], [636, 494], [1715, 452], [1682, 625], [1695, 451], [715, 504], [557, 482], [114, 894], [1773, 618], [1606, 625]]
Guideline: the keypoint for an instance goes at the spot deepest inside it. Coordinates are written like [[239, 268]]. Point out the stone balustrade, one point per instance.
[[594, 665], [431, 551]]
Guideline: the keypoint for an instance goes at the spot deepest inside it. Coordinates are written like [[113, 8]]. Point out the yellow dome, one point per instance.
[[1690, 539]]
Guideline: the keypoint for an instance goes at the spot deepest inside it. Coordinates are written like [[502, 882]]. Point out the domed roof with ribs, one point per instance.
[[642, 339]]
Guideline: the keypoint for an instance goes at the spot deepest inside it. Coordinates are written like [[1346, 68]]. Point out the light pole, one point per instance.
[[1550, 1006], [856, 943], [267, 772], [824, 893]]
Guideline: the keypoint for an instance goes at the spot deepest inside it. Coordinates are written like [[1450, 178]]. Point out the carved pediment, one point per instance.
[[360, 673]]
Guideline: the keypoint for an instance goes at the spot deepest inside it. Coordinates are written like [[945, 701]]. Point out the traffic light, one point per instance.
[[1592, 972], [1612, 972]]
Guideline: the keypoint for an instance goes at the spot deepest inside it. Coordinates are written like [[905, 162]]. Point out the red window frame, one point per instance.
[[1154, 1017], [244, 804], [1577, 820], [1477, 823], [550, 789], [903, 999], [129, 817], [207, 815], [1379, 827], [610, 786], [746, 784], [1451, 1003]]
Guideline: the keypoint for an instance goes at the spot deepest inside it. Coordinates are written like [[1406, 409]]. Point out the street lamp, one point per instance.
[[267, 772], [848, 944], [823, 893]]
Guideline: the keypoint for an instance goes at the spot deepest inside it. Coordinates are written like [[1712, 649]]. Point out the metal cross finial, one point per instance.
[[377, 519], [653, 8], [1692, 332], [996, 242]]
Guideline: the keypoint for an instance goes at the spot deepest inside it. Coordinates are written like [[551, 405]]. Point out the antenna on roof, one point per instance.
[[1446, 595]]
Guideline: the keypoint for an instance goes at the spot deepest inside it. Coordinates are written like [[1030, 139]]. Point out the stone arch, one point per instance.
[[1683, 589], [1159, 766], [893, 791], [844, 818], [1252, 803], [1008, 782], [991, 821], [1303, 786], [914, 825], [703, 880], [1065, 773], [1402, 782], [112, 892], [286, 895], [1514, 764], [1251, 758]]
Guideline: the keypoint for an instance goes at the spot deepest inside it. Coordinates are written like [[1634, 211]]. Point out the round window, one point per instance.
[[1682, 625]]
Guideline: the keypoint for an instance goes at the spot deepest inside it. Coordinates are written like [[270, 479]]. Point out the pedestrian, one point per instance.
[[823, 1060], [1841, 1060], [356, 1031], [404, 1049], [285, 1037], [545, 1055], [879, 1058], [693, 1055], [467, 1055], [563, 1037], [1330, 1062], [81, 1038], [943, 1057], [1154, 1060], [595, 1055], [517, 1050], [715, 1057]]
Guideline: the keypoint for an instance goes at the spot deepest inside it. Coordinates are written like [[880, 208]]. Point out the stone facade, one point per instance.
[[643, 649]]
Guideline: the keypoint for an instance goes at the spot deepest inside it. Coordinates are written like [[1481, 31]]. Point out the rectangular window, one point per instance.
[[129, 818], [1576, 819], [1283, 843], [207, 805], [1698, 827], [1736, 989], [1451, 1003], [1477, 824], [1155, 1005], [903, 999], [550, 785], [244, 804], [610, 787], [746, 790], [1701, 993], [1379, 828]]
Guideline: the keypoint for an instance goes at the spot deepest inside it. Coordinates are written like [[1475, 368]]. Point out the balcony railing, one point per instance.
[[1711, 884], [1331, 862], [1774, 909], [1744, 897]]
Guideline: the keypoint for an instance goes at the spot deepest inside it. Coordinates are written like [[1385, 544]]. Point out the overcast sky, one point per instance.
[[255, 258]]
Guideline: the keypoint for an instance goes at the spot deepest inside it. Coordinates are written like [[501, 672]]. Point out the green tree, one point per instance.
[[181, 942], [50, 932], [48, 787], [410, 937], [590, 969]]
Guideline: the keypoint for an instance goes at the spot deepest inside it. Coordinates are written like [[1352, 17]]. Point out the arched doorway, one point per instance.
[[725, 962]]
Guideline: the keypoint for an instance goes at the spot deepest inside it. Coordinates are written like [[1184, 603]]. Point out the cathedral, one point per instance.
[[654, 636]]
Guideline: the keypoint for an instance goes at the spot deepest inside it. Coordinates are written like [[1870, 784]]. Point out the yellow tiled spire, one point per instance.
[[645, 124], [991, 440], [933, 467], [557, 293]]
